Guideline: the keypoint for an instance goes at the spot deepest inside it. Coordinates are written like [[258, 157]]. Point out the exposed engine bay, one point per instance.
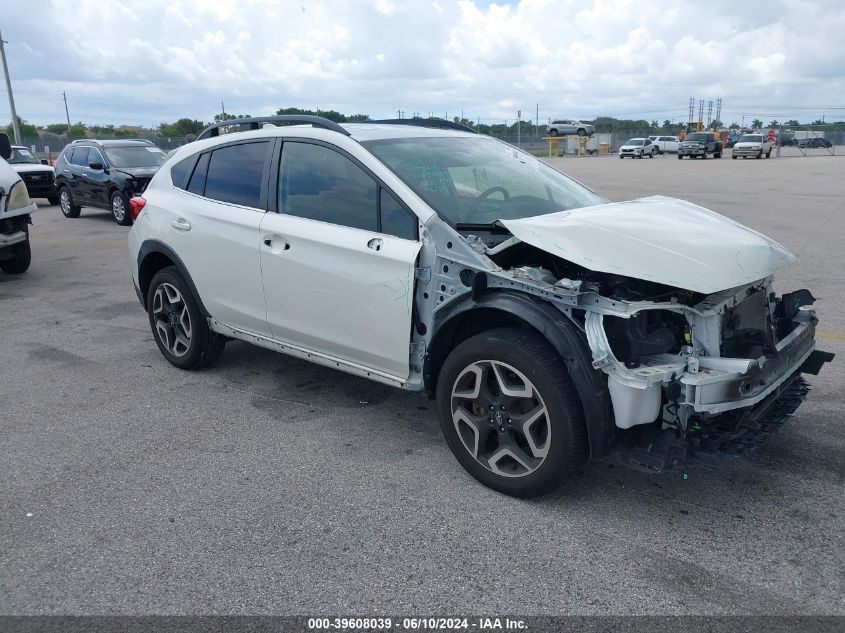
[[679, 363]]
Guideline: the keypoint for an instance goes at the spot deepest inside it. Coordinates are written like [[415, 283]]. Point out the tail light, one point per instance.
[[136, 205]]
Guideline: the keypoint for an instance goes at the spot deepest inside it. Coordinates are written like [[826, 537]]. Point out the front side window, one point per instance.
[[94, 156], [135, 156], [235, 173], [318, 183], [478, 180]]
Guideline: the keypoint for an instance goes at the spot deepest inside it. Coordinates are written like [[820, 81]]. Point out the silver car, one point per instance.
[[565, 127]]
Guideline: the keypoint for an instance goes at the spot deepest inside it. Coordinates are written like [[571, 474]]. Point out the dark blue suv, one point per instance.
[[105, 174]]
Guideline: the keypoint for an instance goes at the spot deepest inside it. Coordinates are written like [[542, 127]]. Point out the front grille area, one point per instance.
[[39, 183]]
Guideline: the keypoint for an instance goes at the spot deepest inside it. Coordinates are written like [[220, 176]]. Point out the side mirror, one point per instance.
[[44, 161], [96, 166], [5, 146]]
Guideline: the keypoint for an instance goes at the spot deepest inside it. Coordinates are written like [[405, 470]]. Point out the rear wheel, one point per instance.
[[179, 329], [509, 412], [552, 132], [21, 258], [680, 157], [582, 132], [69, 209]]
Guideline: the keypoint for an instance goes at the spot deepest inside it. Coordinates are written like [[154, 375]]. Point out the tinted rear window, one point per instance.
[[235, 173]]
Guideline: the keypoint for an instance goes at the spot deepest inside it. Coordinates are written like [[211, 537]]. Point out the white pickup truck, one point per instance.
[[15, 215]]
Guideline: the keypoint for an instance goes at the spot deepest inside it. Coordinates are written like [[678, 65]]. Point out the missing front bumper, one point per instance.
[[708, 443]]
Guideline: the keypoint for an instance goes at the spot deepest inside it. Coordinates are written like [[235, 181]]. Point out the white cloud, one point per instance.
[[156, 60]]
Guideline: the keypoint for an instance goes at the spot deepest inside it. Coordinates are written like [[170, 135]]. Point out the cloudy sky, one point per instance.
[[144, 62]]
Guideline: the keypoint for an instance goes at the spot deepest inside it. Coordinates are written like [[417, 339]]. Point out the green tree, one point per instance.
[[774, 123], [756, 124], [228, 117], [818, 122], [182, 127], [27, 130], [792, 123], [716, 124], [77, 130], [733, 126], [667, 124], [56, 128]]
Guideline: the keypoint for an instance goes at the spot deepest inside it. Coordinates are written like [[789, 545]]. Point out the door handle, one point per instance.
[[375, 244], [268, 241], [181, 224]]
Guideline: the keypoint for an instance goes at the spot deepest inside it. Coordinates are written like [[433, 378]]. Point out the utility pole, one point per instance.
[[223, 110], [67, 114], [9, 89]]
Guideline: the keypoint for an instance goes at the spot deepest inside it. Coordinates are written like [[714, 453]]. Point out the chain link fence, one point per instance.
[[810, 140]]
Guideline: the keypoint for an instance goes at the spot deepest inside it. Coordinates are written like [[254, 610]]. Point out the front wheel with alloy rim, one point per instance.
[[120, 209], [180, 330], [509, 412], [69, 209]]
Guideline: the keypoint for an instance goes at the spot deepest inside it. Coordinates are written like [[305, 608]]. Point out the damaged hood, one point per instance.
[[659, 239]]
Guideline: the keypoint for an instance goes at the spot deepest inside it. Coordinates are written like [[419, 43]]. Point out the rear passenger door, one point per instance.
[[214, 228], [338, 259]]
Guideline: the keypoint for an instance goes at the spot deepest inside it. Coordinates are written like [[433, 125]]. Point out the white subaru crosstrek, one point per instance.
[[551, 326]]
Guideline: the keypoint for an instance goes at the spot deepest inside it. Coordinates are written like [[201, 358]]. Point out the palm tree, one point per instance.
[[756, 124]]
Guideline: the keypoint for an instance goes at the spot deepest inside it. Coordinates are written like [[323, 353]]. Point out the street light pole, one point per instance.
[[9, 89]]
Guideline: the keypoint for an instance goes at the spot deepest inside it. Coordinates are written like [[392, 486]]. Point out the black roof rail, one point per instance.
[[420, 122], [254, 123]]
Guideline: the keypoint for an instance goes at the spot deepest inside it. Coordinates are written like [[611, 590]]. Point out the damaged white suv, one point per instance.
[[551, 326]]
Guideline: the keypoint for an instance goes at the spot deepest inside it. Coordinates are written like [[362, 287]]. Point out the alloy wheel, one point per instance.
[[172, 319], [64, 201], [118, 209], [501, 418]]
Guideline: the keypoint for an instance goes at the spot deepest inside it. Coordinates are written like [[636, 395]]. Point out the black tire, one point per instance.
[[733, 156], [769, 154], [640, 155], [205, 345], [621, 157], [69, 210], [21, 258], [582, 132], [760, 155], [717, 154], [552, 132], [534, 357], [54, 200], [680, 157], [119, 200]]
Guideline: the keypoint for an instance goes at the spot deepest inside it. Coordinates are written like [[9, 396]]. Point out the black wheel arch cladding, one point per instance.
[[152, 257], [555, 327]]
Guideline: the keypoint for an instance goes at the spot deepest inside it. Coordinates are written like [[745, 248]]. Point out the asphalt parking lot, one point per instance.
[[269, 485]]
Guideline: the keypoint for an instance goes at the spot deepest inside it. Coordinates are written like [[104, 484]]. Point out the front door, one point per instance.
[[338, 261], [95, 181]]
